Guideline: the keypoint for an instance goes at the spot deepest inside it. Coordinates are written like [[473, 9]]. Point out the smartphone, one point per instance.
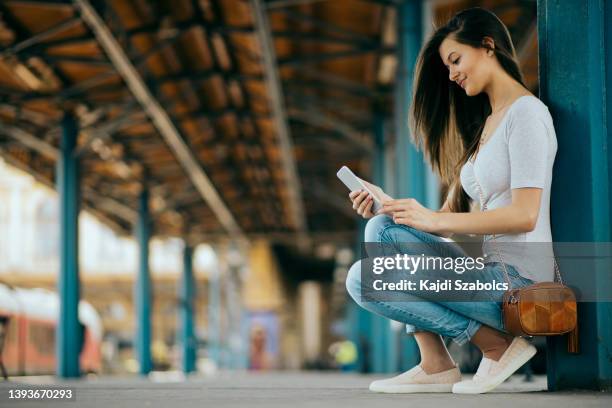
[[355, 183]]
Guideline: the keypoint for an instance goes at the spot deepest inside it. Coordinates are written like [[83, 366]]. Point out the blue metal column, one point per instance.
[[187, 296], [143, 287], [68, 332], [360, 320], [382, 336], [575, 43], [411, 169], [214, 313], [410, 163]]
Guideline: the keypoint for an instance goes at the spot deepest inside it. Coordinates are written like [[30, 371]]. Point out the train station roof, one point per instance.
[[235, 114]]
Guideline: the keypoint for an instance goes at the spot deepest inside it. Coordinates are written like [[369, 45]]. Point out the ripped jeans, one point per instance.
[[454, 319]]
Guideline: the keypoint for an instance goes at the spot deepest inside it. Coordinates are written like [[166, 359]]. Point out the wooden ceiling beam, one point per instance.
[[109, 204], [319, 119], [161, 119], [274, 88], [42, 36]]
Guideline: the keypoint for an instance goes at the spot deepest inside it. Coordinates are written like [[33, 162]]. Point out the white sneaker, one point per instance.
[[417, 380], [491, 373]]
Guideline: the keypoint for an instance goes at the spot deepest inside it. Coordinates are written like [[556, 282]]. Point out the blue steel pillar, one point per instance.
[[68, 332], [187, 296], [214, 313], [360, 320], [411, 168], [382, 337], [410, 163], [575, 43], [143, 286]]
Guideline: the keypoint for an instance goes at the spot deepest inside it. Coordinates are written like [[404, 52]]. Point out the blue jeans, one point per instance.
[[458, 320]]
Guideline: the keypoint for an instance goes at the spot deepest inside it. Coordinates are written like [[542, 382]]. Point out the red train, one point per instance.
[[29, 343]]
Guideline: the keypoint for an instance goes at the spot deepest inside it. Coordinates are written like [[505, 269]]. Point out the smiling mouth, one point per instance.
[[462, 82]]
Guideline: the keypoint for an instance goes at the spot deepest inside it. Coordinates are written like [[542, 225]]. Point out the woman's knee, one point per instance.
[[353, 281], [375, 226]]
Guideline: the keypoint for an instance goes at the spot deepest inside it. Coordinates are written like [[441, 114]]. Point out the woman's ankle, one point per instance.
[[434, 367], [496, 351], [492, 343]]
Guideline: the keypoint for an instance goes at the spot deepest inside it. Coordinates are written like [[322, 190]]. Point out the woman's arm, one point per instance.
[[445, 209], [520, 216]]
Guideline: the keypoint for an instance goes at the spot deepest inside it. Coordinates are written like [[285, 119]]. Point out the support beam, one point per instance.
[[142, 295], [112, 207], [104, 132], [31, 141], [410, 162], [205, 75], [326, 26], [298, 60], [317, 38], [341, 82], [575, 41], [155, 27], [29, 115], [523, 51], [42, 36], [51, 152], [187, 296], [69, 334], [317, 85], [279, 4], [214, 310], [272, 79], [383, 337], [160, 119], [320, 120], [410, 177], [78, 59]]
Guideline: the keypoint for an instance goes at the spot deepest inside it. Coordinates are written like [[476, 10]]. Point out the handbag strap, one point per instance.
[[483, 207]]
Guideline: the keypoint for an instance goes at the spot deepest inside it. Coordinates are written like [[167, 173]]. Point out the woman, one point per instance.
[[482, 131]]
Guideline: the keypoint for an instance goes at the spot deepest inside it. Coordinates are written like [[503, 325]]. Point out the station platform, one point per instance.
[[288, 389]]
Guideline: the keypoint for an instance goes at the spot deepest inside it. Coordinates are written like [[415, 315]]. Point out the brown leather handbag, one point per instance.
[[540, 309]]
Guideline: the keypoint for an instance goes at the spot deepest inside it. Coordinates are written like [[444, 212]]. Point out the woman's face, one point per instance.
[[469, 67]]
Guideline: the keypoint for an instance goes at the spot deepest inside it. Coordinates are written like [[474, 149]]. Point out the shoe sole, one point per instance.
[[502, 376], [412, 388]]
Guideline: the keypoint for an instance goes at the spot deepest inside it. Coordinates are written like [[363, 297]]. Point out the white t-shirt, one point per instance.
[[520, 153]]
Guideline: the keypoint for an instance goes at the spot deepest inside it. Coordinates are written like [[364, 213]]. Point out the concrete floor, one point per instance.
[[286, 389]]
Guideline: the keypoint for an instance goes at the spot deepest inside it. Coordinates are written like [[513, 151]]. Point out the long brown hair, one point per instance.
[[445, 122]]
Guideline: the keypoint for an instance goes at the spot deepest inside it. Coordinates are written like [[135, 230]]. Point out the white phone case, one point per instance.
[[354, 183]]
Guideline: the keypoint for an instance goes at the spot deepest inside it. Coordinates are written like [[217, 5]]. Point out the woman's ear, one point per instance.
[[489, 44]]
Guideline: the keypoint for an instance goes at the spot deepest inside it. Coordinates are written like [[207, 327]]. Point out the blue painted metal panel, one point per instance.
[[411, 168], [361, 321], [214, 320], [68, 332], [409, 161], [380, 334], [187, 296], [143, 287], [382, 337], [575, 67]]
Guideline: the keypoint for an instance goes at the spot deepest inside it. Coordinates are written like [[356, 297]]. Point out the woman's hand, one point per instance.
[[408, 211], [362, 202], [377, 191]]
